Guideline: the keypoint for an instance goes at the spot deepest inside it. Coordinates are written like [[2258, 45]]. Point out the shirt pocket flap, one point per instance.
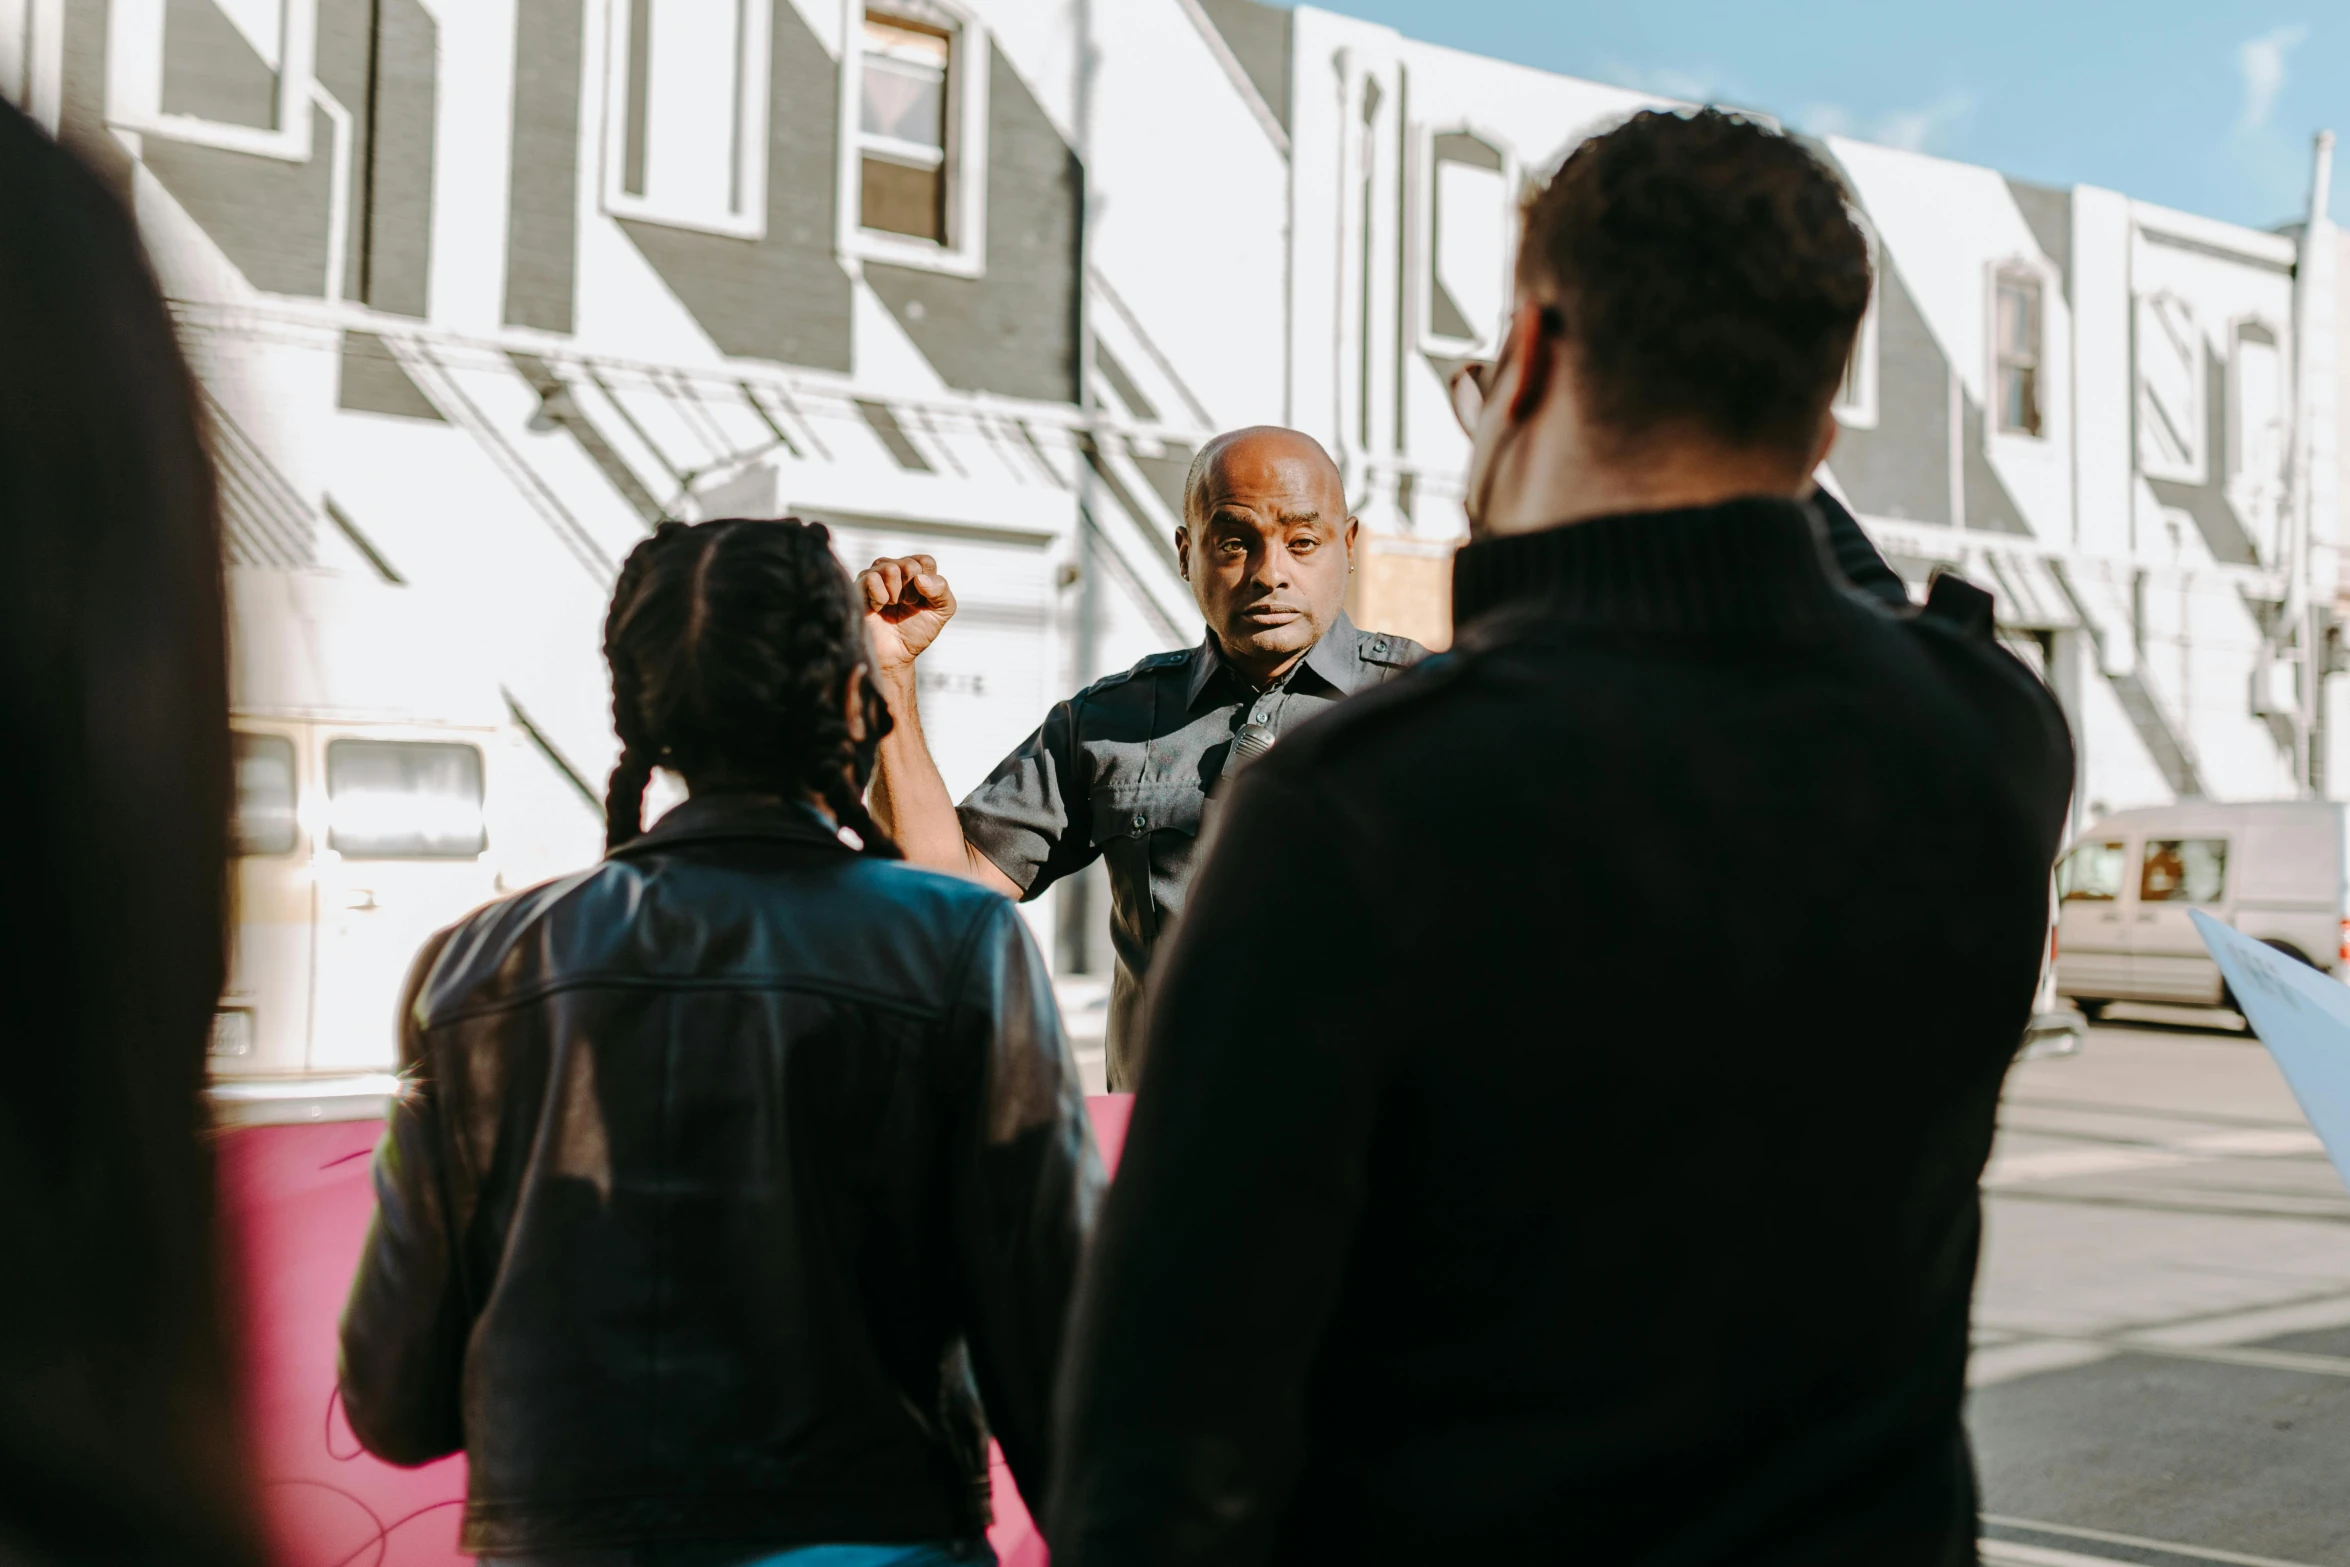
[[1131, 810]]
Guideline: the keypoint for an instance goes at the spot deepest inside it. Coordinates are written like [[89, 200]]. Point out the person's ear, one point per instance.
[[1823, 439], [852, 702], [1354, 528], [1530, 351], [1183, 551]]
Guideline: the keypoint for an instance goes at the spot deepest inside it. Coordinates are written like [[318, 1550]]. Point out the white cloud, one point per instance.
[[1705, 85], [1827, 119], [2261, 62], [1911, 130]]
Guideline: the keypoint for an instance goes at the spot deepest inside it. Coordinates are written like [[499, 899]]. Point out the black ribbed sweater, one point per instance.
[[1570, 1081]]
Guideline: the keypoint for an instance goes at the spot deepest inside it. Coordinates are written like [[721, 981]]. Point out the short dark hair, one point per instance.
[[1709, 273]]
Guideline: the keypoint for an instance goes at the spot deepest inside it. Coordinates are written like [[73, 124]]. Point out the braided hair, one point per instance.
[[731, 643]]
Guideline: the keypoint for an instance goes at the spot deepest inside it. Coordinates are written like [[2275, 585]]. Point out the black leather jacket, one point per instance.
[[731, 1175]]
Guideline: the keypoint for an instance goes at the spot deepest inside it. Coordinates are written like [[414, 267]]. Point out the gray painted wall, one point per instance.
[[2215, 515], [396, 206], [784, 296], [1014, 330], [1902, 467], [542, 216], [82, 116], [372, 381], [209, 70], [1258, 36], [271, 217], [2049, 214]]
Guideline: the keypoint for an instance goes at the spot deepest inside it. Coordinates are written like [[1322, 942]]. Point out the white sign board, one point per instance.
[[2303, 1016]]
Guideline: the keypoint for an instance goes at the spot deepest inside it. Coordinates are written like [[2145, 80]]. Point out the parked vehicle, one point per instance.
[[2274, 871], [366, 780]]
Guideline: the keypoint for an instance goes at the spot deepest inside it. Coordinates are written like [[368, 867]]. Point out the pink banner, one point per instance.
[[298, 1200]]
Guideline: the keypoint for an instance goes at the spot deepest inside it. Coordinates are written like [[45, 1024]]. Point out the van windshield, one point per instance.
[[404, 800], [2092, 872]]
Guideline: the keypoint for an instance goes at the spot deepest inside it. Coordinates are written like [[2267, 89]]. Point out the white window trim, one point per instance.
[[1860, 411], [134, 84], [751, 133], [1420, 264], [2197, 469], [965, 252], [2283, 344], [32, 57], [2045, 363]]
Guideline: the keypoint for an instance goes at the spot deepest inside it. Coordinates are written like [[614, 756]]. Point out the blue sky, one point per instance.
[[2201, 106]]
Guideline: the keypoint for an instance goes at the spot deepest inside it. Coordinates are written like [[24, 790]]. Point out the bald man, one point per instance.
[[1125, 768]]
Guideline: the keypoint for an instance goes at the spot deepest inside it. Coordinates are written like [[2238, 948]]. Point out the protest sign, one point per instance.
[[2303, 1016]]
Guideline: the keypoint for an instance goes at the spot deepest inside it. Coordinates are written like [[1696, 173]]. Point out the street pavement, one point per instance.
[[2162, 1361], [2162, 1328]]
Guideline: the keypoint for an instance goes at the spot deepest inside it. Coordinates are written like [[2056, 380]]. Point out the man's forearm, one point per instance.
[[910, 799]]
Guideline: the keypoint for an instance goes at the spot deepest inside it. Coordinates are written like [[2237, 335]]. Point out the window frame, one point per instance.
[[2146, 861], [481, 778], [1421, 195], [754, 87], [1996, 359], [238, 738], [2195, 468], [2124, 860], [134, 84], [2239, 331], [1859, 410], [965, 164]]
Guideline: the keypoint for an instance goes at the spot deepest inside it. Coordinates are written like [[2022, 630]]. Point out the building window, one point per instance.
[[915, 137], [2257, 434], [2017, 325], [686, 125], [234, 74], [1469, 223], [2170, 390], [1856, 394], [2258, 404], [902, 129]]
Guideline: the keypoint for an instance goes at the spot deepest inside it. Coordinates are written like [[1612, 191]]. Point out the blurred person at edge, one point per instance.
[[743, 1177], [120, 1432], [1623, 1207]]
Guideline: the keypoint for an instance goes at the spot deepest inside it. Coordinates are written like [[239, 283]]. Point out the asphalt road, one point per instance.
[[2162, 1363]]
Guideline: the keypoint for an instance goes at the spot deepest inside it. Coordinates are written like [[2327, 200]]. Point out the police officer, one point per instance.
[[1124, 768]]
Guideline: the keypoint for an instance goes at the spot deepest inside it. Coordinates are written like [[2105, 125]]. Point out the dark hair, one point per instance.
[[731, 645], [120, 1433], [1709, 273]]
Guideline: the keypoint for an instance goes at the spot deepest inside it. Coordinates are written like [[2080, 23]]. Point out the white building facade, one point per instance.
[[481, 290]]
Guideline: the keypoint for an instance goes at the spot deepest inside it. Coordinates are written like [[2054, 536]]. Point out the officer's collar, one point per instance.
[[1336, 660]]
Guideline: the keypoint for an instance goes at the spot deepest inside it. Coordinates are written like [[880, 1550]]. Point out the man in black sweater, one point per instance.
[[1619, 1205]]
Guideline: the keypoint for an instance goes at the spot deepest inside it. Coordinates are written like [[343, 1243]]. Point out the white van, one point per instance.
[[366, 785], [2275, 871]]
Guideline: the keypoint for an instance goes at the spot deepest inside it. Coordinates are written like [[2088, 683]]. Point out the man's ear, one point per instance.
[[1354, 527], [1532, 359], [1823, 439], [1183, 551]]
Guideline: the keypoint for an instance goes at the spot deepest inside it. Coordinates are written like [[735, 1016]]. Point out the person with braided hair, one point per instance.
[[739, 1186]]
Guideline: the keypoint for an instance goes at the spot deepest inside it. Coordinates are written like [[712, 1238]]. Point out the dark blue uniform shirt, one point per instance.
[[1125, 768]]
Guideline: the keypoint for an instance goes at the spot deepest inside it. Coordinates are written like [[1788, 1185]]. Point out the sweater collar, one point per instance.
[[1757, 564]]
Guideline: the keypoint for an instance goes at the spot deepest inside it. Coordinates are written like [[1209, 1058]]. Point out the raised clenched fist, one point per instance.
[[907, 604]]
